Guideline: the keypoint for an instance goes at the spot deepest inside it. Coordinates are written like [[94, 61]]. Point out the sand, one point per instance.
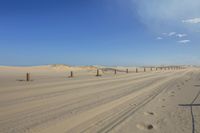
[[163, 101]]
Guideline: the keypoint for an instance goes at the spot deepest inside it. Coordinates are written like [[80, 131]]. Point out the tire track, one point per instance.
[[64, 91], [65, 110], [67, 82], [39, 117], [114, 119]]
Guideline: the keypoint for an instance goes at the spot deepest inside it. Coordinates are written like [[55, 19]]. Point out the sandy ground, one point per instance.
[[153, 101]]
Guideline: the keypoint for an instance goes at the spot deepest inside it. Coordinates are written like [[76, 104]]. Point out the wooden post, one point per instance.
[[156, 68], [27, 77], [126, 70], [98, 73], [115, 71], [144, 69], [71, 75], [151, 69]]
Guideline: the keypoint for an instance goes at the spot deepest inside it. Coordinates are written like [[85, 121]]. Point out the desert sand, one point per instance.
[[162, 101]]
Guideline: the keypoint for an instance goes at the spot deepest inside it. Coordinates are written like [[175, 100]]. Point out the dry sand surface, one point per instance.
[[153, 101]]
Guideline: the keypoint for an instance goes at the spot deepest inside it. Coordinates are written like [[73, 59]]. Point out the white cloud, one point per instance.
[[171, 33], [174, 34], [164, 34], [181, 35], [159, 38], [184, 41], [159, 15], [192, 21]]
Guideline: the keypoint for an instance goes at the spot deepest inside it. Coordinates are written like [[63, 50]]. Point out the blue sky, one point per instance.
[[105, 32]]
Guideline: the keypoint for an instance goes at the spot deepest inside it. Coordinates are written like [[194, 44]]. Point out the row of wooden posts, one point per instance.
[[28, 78]]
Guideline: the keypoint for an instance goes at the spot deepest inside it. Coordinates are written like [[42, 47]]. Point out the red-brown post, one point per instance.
[[27, 76], [98, 73], [71, 74]]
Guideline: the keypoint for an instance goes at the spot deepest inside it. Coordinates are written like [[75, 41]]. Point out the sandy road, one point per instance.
[[84, 105]]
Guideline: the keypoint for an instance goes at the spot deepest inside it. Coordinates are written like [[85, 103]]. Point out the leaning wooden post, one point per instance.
[[126, 70], [98, 73], [115, 71], [71, 74], [27, 77]]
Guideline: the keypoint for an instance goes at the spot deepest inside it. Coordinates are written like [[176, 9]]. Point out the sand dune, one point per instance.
[[56, 67], [124, 103]]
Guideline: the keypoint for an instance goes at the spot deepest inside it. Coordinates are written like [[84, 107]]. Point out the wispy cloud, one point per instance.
[[172, 34], [167, 15], [159, 38], [192, 21], [184, 41], [181, 35]]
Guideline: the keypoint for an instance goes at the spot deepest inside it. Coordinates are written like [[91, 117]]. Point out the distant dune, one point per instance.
[[59, 67], [54, 67]]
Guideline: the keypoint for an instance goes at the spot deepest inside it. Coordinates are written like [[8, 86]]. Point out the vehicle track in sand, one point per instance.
[[67, 88], [108, 121], [49, 112]]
